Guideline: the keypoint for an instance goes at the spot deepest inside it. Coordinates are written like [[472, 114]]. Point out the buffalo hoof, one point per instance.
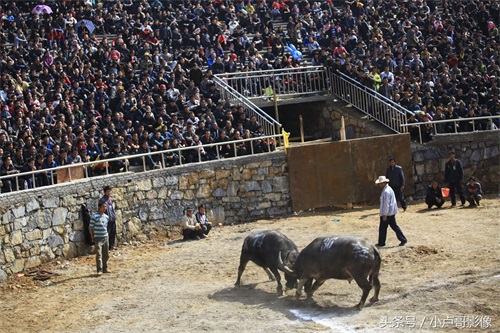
[[374, 299], [279, 292], [359, 307], [237, 285]]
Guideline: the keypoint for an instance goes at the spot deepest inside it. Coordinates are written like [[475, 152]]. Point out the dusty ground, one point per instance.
[[447, 276]]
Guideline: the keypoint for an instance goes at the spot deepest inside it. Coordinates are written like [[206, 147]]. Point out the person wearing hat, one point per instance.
[[454, 174], [388, 211], [396, 178], [190, 227], [474, 192], [434, 196]]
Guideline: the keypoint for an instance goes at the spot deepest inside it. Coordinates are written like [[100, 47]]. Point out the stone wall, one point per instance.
[[478, 151], [39, 225]]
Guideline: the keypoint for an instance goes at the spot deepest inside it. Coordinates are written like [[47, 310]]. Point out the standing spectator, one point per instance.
[[202, 219], [453, 174], [474, 192], [434, 196], [190, 228], [388, 211], [396, 178], [111, 214], [98, 231]]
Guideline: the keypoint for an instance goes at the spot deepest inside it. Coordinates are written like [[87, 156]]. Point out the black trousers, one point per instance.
[[399, 195], [456, 187], [475, 199], [206, 228], [433, 202], [382, 230], [191, 234], [112, 233]]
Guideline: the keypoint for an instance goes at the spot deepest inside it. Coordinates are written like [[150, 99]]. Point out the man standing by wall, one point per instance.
[[99, 233], [388, 211], [454, 174], [396, 181], [110, 211]]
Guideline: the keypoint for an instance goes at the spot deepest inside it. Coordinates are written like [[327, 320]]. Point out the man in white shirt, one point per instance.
[[388, 211]]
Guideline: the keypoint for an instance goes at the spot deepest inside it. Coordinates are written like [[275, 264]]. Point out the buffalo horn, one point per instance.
[[284, 267]]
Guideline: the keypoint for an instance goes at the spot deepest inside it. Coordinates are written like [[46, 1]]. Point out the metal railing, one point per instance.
[[233, 148], [269, 124], [438, 127], [370, 102], [286, 83]]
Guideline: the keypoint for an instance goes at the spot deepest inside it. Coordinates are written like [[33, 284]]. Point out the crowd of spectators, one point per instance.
[[84, 81], [437, 65]]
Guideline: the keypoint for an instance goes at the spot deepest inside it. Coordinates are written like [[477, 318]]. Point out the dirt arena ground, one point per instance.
[[446, 277]]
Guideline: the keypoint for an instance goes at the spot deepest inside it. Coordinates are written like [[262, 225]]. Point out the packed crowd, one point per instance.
[[82, 81], [436, 65]]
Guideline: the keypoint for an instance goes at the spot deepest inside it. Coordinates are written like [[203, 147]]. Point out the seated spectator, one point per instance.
[[118, 165], [191, 230], [474, 192], [48, 177], [434, 196], [7, 168], [170, 158], [202, 219]]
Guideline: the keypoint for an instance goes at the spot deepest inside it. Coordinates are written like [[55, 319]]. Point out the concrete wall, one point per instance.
[[479, 153], [39, 225]]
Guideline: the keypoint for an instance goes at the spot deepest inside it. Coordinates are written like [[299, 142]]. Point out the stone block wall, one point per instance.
[[479, 153], [39, 225]]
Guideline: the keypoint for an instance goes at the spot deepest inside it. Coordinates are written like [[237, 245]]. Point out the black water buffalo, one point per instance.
[[342, 257], [268, 249]]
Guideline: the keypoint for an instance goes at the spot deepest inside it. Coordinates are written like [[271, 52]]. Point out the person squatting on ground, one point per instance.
[[474, 192], [388, 211], [99, 233], [434, 196], [190, 228], [202, 219], [110, 211], [454, 174], [396, 178]]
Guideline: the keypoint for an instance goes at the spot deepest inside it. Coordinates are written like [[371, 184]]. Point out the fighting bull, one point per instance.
[[343, 258], [269, 250]]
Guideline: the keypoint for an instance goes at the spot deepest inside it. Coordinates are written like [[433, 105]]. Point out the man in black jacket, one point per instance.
[[454, 174], [434, 196], [396, 181]]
